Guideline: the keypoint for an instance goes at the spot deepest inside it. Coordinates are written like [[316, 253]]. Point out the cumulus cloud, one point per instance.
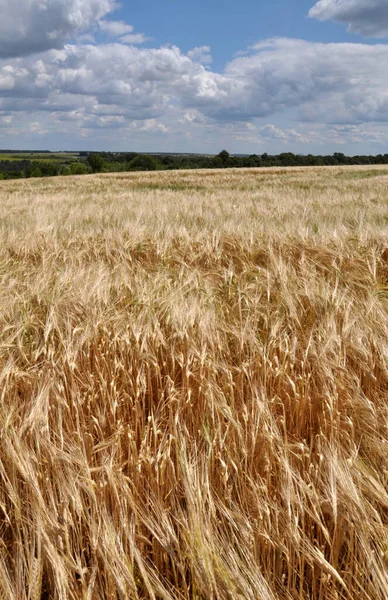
[[29, 26], [272, 132], [201, 54], [134, 38], [122, 31], [115, 28], [151, 91], [337, 83], [36, 128], [324, 82], [143, 82], [6, 121], [117, 86], [356, 134], [368, 17]]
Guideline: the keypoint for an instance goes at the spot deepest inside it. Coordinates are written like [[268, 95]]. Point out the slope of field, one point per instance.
[[194, 386]]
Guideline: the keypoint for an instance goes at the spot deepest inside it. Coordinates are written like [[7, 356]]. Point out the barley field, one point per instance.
[[194, 386]]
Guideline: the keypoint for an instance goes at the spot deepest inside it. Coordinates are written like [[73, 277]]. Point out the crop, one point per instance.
[[194, 386]]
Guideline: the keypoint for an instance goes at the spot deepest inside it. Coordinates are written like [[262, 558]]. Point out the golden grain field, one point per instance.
[[194, 386]]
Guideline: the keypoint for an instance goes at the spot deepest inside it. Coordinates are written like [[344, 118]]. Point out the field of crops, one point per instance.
[[40, 156], [194, 386]]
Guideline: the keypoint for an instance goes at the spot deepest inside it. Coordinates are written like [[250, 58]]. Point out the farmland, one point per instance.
[[17, 164], [61, 156], [194, 385]]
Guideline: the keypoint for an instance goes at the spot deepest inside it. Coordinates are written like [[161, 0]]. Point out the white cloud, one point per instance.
[[122, 31], [192, 116], [287, 136], [368, 17], [6, 121], [324, 82], [272, 132], [201, 54], [134, 38], [36, 128], [148, 91], [30, 26], [336, 83], [115, 28], [141, 82], [151, 125], [356, 134]]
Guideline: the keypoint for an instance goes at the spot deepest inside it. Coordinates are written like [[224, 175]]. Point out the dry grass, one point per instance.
[[194, 390]]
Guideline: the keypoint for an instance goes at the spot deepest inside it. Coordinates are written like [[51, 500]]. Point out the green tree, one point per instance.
[[78, 168], [340, 158], [254, 160], [143, 162], [224, 156], [96, 162], [36, 172]]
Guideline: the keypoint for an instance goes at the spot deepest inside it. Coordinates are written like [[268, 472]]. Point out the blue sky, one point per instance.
[[296, 75], [230, 26]]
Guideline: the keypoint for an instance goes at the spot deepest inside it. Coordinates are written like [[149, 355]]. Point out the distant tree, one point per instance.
[[36, 172], [288, 159], [96, 162], [126, 157], [254, 160], [339, 158], [49, 168], [143, 162], [78, 168], [224, 157]]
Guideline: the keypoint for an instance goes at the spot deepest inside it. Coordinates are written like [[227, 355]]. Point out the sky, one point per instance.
[[254, 76]]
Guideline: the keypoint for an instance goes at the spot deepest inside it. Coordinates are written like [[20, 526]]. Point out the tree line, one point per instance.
[[105, 162]]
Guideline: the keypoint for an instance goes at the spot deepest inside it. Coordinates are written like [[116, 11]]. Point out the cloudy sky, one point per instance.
[[248, 76]]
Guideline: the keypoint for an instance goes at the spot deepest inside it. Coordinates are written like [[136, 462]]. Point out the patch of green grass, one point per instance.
[[39, 156]]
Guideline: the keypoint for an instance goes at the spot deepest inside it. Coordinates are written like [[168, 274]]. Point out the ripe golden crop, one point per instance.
[[194, 386]]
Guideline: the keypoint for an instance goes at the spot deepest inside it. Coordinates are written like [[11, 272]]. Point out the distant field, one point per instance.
[[38, 156], [194, 385]]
